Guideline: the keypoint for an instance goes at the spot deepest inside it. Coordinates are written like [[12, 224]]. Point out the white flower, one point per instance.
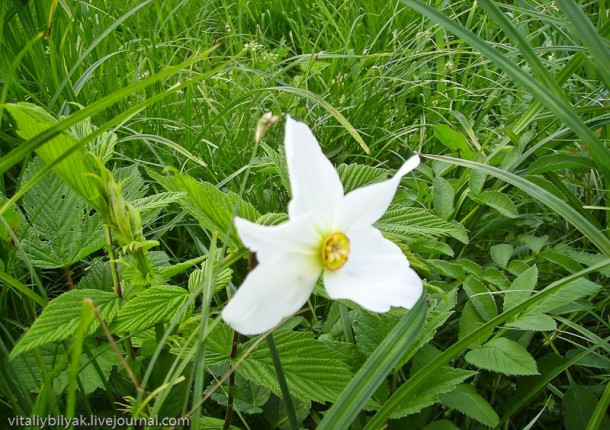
[[327, 232]]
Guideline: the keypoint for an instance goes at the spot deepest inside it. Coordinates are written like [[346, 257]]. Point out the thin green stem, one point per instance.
[[292, 418]]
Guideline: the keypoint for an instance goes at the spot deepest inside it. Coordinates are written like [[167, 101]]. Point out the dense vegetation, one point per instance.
[[128, 146]]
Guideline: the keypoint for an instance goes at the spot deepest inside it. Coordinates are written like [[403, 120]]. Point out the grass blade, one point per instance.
[[564, 111], [375, 370]]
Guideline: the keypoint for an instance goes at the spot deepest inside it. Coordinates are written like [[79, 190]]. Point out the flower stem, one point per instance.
[[292, 418]]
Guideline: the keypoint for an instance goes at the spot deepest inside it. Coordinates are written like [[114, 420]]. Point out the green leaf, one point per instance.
[[97, 277], [503, 356], [210, 206], [578, 406], [499, 201], [468, 401], [31, 121], [453, 140], [167, 272], [448, 268], [595, 235], [476, 182], [355, 175], [480, 297], [521, 288], [550, 163], [501, 254], [568, 294], [408, 223], [534, 243], [471, 320], [59, 320], [12, 219], [62, 228], [536, 322], [313, 370], [443, 197], [375, 370], [159, 303]]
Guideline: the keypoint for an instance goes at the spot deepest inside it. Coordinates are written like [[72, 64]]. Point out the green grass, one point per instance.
[[182, 85]]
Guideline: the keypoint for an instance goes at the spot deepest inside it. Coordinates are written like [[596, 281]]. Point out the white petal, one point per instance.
[[315, 184], [363, 206], [269, 242], [270, 293], [377, 274]]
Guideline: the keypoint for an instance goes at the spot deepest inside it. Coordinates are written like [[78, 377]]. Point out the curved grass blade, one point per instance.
[[595, 235], [587, 33], [563, 110], [375, 370], [418, 379]]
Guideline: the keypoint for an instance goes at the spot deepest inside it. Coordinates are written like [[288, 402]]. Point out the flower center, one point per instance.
[[335, 251]]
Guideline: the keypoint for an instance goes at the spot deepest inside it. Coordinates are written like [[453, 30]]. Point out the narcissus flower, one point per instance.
[[327, 233]]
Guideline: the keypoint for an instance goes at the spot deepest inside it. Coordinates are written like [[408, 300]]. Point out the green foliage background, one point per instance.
[[127, 143]]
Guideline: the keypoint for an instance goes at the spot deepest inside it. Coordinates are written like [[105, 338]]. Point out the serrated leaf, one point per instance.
[[448, 268], [443, 381], [279, 160], [167, 272], [157, 201], [444, 195], [499, 201], [12, 220], [521, 288], [32, 120], [207, 204], [476, 181], [272, 218], [133, 186], [501, 254], [159, 303], [534, 243], [470, 320], [98, 277], [63, 229], [59, 320], [480, 297], [407, 223], [465, 399], [503, 355], [356, 175], [89, 377], [453, 140], [197, 278], [578, 406], [495, 277], [432, 247], [568, 294], [313, 370], [537, 322]]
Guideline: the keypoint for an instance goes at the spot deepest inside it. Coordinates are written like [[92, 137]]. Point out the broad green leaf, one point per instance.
[[63, 229], [197, 278], [536, 322], [355, 175], [167, 272], [468, 401], [499, 201], [444, 381], [409, 223], [31, 121], [534, 243], [448, 268], [313, 370], [97, 277], [571, 292], [453, 140], [521, 288], [471, 320], [419, 378], [443, 197], [12, 219], [496, 277], [578, 406], [249, 398], [159, 303], [476, 181], [550, 163], [481, 298], [59, 320], [501, 254], [431, 247], [207, 204], [503, 355]]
